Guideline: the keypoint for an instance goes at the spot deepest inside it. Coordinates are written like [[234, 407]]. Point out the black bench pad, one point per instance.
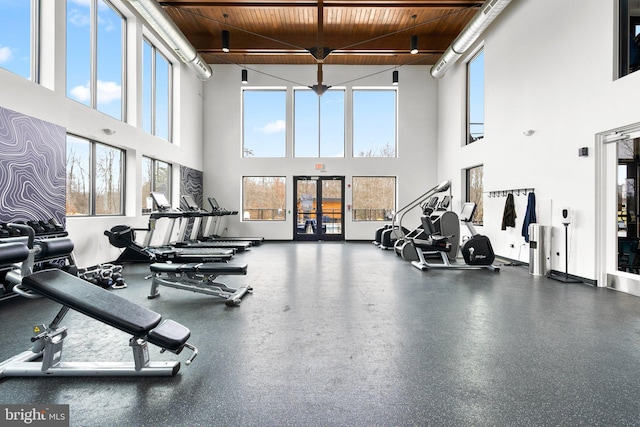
[[13, 252], [93, 301], [170, 335], [201, 268]]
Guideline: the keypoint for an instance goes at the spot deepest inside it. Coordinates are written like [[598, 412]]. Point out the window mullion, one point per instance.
[[93, 174], [153, 91], [93, 72], [170, 102], [35, 41], [123, 71], [319, 127]]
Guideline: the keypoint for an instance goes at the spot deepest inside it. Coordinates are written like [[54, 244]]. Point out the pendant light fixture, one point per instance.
[[245, 72], [225, 36], [414, 37], [395, 74]]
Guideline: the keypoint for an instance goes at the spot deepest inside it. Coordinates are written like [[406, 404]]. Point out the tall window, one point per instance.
[[95, 178], [474, 190], [95, 55], [156, 92], [156, 176], [374, 198], [18, 37], [374, 123], [264, 123], [629, 37], [319, 123], [475, 98], [263, 198]]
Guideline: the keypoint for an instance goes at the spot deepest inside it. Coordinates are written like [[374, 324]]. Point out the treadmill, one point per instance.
[[210, 231], [186, 217]]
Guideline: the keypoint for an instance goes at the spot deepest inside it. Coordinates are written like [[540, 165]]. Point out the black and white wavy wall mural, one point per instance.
[[191, 184], [32, 169]]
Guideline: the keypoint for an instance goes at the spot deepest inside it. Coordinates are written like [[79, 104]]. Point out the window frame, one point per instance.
[[93, 58], [354, 115], [355, 208], [478, 217], [320, 125], [247, 153], [625, 23], [92, 174], [154, 182], [34, 44], [153, 102], [245, 210], [469, 139]]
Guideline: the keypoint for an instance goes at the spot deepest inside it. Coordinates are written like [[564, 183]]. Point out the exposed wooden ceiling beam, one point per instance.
[[451, 4], [358, 32]]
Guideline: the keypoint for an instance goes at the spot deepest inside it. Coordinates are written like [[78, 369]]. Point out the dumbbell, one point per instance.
[[48, 228], [37, 228]]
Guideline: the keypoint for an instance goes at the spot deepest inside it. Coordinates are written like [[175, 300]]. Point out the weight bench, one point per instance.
[[199, 277], [144, 325]]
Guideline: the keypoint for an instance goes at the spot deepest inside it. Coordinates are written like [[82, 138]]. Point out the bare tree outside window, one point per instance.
[[78, 176], [108, 181], [474, 178], [95, 178], [263, 198], [386, 150], [373, 198], [156, 176], [147, 181], [162, 178]]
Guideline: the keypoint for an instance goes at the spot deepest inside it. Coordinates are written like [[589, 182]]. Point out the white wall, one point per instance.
[[549, 67], [51, 104], [224, 167]]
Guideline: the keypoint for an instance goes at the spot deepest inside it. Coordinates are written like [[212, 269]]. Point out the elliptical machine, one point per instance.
[[445, 222], [396, 231], [476, 251]]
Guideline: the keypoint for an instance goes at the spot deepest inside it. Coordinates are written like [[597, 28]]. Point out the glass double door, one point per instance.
[[319, 208]]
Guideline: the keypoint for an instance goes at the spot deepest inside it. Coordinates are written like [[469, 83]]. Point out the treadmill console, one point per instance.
[[190, 203], [160, 201]]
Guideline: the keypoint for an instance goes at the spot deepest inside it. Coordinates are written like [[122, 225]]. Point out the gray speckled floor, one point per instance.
[[349, 335]]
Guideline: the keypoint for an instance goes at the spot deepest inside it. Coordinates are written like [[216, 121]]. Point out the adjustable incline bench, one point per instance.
[[144, 325], [199, 277]]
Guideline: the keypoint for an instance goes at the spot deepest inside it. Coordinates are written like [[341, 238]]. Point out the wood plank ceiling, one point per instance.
[[352, 32]]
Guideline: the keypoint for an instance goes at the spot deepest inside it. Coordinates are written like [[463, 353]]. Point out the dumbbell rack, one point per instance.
[[43, 230]]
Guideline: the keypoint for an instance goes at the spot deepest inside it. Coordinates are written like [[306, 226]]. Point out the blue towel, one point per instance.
[[530, 216]]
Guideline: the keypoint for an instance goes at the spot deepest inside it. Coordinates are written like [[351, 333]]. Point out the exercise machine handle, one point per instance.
[[193, 356], [397, 218], [25, 229]]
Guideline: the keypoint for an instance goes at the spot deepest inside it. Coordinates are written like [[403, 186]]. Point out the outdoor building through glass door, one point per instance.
[[319, 208]]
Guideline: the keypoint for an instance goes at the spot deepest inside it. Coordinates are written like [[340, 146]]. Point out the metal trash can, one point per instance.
[[538, 250]]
